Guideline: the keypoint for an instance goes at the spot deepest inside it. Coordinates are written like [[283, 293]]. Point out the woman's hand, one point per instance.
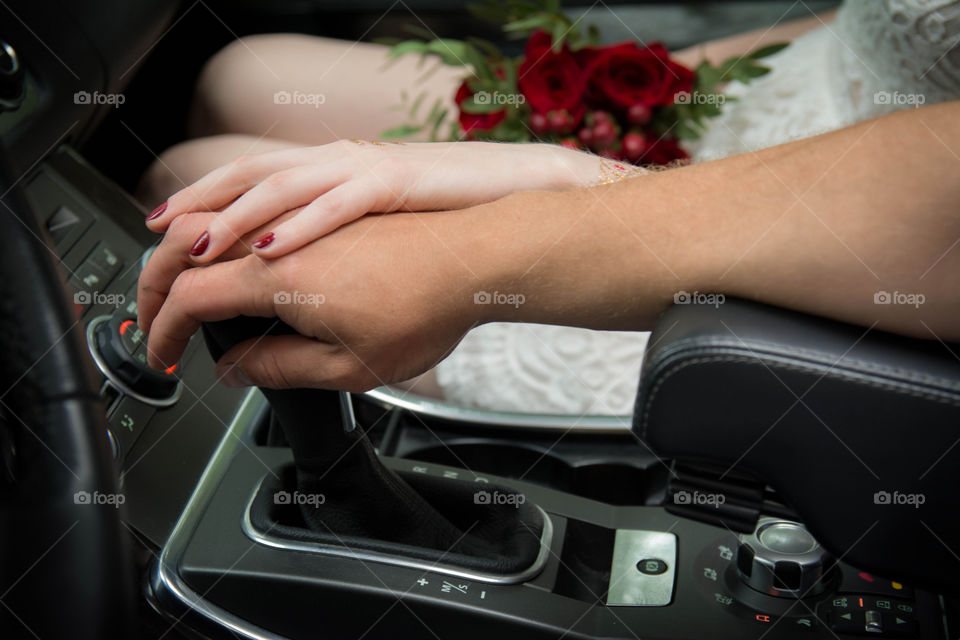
[[340, 182]]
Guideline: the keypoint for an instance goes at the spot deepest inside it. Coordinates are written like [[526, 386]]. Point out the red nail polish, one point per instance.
[[156, 213], [200, 245], [264, 241]]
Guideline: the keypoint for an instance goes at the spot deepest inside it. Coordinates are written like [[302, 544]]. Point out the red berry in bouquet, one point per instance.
[[539, 124], [585, 135], [561, 121], [634, 145], [639, 114], [605, 131]]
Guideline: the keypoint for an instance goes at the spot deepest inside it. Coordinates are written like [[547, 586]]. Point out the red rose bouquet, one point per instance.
[[627, 101]]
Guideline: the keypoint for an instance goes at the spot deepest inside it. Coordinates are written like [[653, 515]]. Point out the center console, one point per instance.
[[610, 571], [618, 555]]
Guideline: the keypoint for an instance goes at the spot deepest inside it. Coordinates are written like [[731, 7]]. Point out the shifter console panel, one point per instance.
[[157, 420]]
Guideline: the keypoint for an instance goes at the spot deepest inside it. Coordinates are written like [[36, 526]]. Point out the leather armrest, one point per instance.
[[856, 429]]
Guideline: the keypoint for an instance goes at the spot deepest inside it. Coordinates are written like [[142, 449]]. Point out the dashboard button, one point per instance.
[[106, 260], [652, 566], [128, 421]]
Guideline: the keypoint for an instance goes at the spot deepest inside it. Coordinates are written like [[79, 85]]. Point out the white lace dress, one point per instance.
[[877, 56]]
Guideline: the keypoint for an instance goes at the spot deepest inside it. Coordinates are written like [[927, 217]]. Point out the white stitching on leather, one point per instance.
[[889, 385]]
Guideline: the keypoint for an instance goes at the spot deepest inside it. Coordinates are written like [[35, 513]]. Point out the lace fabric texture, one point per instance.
[[878, 56]]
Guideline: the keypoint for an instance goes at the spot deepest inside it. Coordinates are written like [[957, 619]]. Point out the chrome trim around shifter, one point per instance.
[[166, 584], [592, 424], [546, 539], [165, 580]]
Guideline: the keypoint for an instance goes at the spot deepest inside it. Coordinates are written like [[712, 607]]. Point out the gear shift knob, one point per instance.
[[363, 500]]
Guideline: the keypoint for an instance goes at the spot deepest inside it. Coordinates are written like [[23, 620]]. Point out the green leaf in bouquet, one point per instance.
[[435, 109], [728, 67], [416, 103], [437, 123], [407, 46], [593, 35], [471, 105], [684, 131], [746, 72], [451, 52], [487, 48], [756, 70], [420, 31], [709, 109], [707, 77], [530, 23], [768, 50], [561, 29], [510, 130], [403, 131]]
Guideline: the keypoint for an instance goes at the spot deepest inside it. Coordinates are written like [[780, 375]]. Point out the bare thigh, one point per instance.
[[313, 90], [183, 164]]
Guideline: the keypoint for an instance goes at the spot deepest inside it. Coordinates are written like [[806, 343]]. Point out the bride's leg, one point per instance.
[[183, 164], [346, 89]]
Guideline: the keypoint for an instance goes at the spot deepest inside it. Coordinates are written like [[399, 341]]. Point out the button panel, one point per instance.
[[642, 571]]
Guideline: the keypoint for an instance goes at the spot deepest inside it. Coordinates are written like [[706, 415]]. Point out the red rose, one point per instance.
[[551, 81], [476, 121], [623, 75], [662, 151]]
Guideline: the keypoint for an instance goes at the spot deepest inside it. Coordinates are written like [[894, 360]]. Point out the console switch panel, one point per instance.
[[643, 569]]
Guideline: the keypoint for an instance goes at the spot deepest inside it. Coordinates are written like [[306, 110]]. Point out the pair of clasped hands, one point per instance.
[[374, 298]]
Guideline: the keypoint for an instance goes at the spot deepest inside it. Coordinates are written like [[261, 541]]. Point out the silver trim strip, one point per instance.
[[628, 585], [120, 385], [165, 578], [501, 419], [546, 538]]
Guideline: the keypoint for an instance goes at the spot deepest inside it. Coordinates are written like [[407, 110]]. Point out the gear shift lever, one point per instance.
[[367, 505]]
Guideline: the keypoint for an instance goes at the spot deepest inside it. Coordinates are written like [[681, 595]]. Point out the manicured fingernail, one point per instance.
[[264, 241], [200, 245], [156, 213], [235, 377]]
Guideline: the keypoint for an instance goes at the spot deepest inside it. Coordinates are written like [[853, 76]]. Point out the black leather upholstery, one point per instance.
[[857, 429]]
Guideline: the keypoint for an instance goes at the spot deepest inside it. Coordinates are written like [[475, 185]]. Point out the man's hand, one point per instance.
[[379, 301]]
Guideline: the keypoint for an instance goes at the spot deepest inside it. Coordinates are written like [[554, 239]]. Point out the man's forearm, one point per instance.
[[821, 225]]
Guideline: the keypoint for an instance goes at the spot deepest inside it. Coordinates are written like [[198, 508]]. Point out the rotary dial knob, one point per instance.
[[781, 558]]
